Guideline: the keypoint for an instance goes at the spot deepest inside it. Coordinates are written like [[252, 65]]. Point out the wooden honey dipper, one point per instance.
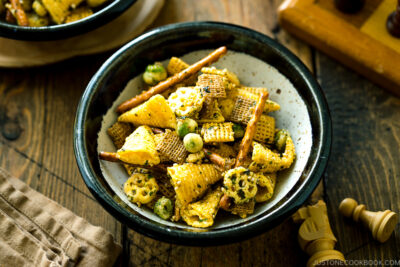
[[381, 223]]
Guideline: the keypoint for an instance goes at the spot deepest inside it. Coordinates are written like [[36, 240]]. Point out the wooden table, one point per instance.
[[37, 109]]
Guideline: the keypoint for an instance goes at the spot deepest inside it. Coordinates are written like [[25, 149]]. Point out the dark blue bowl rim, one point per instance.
[[62, 31], [225, 235]]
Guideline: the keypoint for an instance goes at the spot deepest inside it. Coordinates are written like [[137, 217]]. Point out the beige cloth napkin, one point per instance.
[[36, 231]]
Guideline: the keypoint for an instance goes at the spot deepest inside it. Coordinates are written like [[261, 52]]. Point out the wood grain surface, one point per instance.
[[37, 109]]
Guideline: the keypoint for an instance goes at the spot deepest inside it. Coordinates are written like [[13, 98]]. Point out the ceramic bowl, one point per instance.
[[258, 61], [62, 31]]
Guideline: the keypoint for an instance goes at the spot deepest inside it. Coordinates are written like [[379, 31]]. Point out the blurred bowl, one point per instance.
[[55, 32], [259, 61]]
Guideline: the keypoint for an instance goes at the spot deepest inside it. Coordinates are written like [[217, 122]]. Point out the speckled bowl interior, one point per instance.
[[258, 61], [100, 17]]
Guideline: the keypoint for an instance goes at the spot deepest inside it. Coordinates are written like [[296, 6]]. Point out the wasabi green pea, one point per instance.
[[186, 126], [163, 208], [238, 130], [154, 74], [193, 142]]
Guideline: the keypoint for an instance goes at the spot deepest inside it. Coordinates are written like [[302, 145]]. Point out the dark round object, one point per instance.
[[349, 6], [393, 22], [11, 130], [176, 40], [55, 32]]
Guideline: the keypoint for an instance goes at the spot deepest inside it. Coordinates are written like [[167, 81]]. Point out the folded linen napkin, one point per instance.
[[36, 231]]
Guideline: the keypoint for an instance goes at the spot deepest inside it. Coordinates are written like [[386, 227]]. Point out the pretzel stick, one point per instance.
[[109, 156], [225, 201], [9, 17], [157, 130], [221, 162], [20, 15], [250, 130], [177, 78], [112, 157]]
